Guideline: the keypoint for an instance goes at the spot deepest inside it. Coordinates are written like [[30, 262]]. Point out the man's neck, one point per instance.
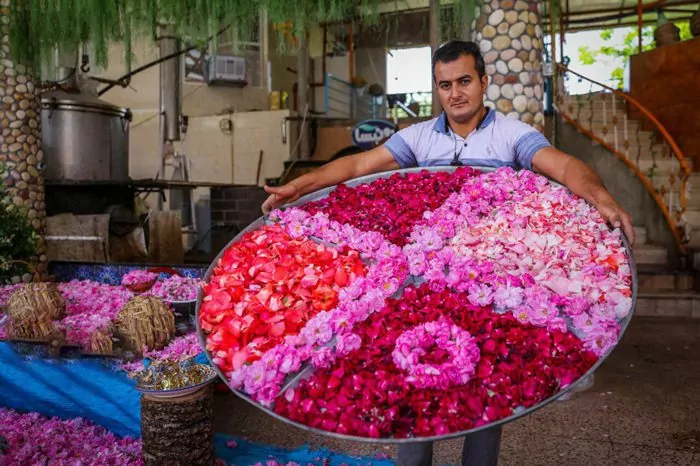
[[465, 128]]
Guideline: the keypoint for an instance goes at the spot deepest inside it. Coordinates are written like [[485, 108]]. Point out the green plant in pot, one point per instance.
[[17, 237]]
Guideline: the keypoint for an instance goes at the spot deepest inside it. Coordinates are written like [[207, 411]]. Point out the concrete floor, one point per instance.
[[644, 409]]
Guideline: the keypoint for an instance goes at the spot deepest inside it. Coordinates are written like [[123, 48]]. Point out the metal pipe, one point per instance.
[[552, 22], [302, 104], [632, 9], [170, 79], [640, 14], [434, 17], [351, 53]]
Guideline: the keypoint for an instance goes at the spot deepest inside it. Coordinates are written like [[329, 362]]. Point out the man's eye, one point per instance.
[[444, 86], [464, 82]]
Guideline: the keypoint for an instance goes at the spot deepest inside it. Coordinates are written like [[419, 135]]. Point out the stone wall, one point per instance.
[[20, 140], [510, 37]]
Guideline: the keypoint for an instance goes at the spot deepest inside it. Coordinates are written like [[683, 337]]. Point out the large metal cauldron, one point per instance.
[[516, 415], [84, 138]]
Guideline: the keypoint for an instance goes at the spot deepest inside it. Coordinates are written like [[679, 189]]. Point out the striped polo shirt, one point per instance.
[[497, 142]]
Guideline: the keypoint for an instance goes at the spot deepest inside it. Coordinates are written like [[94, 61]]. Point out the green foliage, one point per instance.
[[17, 237], [621, 52], [38, 26]]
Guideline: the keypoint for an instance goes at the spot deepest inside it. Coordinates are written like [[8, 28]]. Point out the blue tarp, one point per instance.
[[247, 453], [68, 388], [92, 388]]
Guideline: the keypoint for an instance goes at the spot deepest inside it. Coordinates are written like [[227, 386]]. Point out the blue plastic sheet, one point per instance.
[[248, 453], [94, 389], [68, 388]]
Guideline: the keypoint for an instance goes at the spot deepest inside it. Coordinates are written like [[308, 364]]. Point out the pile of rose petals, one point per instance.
[[481, 295], [368, 395], [391, 205], [179, 348], [138, 277], [90, 307], [176, 289], [34, 439], [267, 287]]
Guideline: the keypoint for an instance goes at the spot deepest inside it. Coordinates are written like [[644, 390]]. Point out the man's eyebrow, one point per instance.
[[466, 76]]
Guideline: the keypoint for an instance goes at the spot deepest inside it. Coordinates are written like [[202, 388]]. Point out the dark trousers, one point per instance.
[[480, 449]]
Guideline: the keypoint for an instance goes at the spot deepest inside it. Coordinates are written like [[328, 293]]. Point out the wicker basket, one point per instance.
[[101, 342], [33, 310], [145, 323]]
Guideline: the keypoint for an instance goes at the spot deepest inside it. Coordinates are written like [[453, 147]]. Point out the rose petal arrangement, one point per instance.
[[267, 288], [479, 295]]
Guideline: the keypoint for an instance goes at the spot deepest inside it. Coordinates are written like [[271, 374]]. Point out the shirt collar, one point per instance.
[[441, 125]]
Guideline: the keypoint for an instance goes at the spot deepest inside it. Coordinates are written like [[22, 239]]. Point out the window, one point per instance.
[[409, 81]]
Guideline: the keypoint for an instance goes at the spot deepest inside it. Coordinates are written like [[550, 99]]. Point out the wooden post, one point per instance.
[[434, 44], [178, 431]]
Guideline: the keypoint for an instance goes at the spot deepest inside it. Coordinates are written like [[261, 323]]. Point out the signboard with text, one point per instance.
[[366, 134]]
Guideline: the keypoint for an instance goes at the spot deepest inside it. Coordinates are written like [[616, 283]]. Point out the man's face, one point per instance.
[[460, 89]]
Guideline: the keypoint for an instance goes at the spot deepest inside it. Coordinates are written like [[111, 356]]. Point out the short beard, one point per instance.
[[467, 117]]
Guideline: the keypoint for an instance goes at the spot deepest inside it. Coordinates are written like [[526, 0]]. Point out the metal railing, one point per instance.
[[420, 101], [642, 143], [343, 100]]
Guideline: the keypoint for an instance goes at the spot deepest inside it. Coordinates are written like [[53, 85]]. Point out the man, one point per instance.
[[466, 133]]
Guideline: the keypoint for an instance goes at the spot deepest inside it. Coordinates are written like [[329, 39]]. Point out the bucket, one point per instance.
[[274, 100]]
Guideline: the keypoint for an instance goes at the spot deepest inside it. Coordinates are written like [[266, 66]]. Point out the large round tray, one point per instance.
[[320, 194]]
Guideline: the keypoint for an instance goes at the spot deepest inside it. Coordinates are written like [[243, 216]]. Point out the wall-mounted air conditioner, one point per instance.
[[226, 70]]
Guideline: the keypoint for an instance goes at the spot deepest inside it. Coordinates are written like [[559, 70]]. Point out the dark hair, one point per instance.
[[454, 49]]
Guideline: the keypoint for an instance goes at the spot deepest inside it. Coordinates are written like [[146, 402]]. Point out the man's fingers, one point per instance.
[[269, 203], [615, 219]]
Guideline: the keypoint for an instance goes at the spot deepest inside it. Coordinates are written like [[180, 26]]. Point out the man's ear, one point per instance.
[[484, 82]]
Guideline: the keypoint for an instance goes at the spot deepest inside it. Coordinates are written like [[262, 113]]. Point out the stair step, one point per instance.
[[587, 116], [668, 304], [649, 254], [640, 235], [692, 217], [651, 282]]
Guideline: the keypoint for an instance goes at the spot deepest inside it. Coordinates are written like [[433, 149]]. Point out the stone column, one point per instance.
[[20, 139], [510, 37]]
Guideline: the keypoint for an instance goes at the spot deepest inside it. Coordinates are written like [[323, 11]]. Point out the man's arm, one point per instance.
[[585, 183], [376, 160]]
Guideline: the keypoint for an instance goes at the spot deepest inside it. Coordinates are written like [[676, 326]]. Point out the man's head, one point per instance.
[[460, 76]]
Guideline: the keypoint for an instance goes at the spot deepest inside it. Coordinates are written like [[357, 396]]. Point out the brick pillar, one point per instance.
[[510, 36], [20, 140]]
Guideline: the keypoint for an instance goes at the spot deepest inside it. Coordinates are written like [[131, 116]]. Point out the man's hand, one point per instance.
[[617, 217], [279, 195]]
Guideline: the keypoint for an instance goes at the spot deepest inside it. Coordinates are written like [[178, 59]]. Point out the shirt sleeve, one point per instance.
[[527, 142], [401, 145]]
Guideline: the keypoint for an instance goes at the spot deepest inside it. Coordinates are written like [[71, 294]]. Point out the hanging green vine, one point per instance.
[[38, 26]]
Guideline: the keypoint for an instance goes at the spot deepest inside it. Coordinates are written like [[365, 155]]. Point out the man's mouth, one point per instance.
[[458, 104]]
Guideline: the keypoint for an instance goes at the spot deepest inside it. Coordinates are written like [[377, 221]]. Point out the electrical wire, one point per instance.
[[160, 60], [298, 143]]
